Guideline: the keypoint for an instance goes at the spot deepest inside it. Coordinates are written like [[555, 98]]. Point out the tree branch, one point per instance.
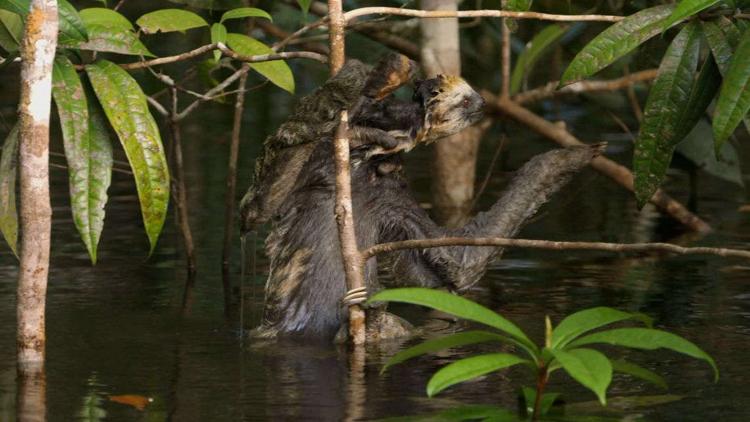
[[551, 90], [364, 11], [227, 52], [617, 172], [550, 245]]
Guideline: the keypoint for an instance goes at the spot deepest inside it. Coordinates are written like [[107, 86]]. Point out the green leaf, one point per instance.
[[446, 342], [106, 17], [8, 174], [458, 306], [470, 368], [696, 148], [170, 20], [211, 4], [529, 398], [535, 49], [637, 371], [89, 163], [245, 12], [100, 167], [723, 38], [615, 42], [474, 412], [11, 31], [276, 71], [648, 339], [590, 368], [580, 322], [734, 97], [127, 111], [688, 8], [664, 109], [518, 5], [72, 30], [304, 5], [102, 38], [218, 35]]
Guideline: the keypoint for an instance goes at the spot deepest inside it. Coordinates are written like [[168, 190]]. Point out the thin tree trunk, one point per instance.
[[455, 157], [37, 55], [180, 192], [230, 201], [344, 218]]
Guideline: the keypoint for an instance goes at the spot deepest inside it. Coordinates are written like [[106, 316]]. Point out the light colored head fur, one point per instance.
[[450, 104]]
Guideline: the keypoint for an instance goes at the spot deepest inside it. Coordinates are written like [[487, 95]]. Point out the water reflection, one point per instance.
[[132, 328]]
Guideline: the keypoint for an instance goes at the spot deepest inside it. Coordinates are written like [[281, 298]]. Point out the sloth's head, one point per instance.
[[450, 105]]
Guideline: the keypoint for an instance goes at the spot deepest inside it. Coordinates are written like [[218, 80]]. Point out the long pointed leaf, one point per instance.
[[106, 17], [723, 38], [734, 97], [648, 339], [470, 368], [127, 111], [218, 35], [11, 31], [72, 108], [458, 306], [637, 371], [615, 42], [8, 174], [535, 50], [688, 8], [589, 367], [442, 343], [665, 104], [580, 322], [277, 71]]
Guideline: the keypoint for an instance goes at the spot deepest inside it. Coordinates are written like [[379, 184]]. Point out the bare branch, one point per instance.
[[364, 11], [212, 92], [550, 89], [227, 52], [551, 245]]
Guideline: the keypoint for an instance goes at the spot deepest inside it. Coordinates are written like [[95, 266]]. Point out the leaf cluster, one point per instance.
[[97, 98], [567, 346]]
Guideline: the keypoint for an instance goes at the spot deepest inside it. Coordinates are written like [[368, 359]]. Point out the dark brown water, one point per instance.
[[124, 327]]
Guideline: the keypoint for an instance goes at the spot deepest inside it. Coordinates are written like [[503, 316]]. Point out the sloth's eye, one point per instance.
[[465, 103]]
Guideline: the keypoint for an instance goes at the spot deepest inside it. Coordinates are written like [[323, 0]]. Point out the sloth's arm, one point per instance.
[[460, 267]]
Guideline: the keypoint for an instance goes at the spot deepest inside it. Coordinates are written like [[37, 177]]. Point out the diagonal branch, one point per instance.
[[550, 89]]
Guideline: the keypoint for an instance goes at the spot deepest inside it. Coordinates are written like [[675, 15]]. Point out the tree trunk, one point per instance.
[[455, 157], [37, 55]]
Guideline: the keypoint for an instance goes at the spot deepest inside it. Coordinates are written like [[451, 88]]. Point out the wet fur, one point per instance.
[[306, 281]]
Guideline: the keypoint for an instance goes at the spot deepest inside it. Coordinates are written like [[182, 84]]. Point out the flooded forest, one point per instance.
[[360, 210]]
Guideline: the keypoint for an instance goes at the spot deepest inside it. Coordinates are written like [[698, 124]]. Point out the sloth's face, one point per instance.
[[450, 105]]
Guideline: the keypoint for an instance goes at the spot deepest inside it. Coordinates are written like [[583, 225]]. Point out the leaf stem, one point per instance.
[[541, 383]]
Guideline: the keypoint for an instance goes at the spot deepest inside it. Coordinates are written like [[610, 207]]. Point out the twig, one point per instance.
[[364, 11], [213, 91], [551, 245], [159, 108], [505, 56], [637, 110], [618, 173], [227, 52], [119, 4], [231, 181], [550, 89], [178, 188], [273, 30], [270, 57]]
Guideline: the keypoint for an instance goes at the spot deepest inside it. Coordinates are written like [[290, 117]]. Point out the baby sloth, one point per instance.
[[440, 107]]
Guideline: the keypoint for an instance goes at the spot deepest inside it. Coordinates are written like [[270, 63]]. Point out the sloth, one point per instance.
[[380, 124], [306, 281]]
